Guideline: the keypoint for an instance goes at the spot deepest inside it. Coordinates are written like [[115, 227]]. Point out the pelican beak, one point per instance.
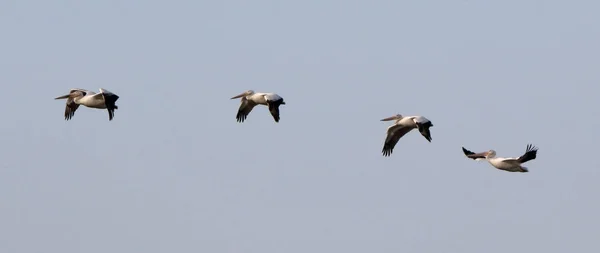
[[63, 97], [390, 118], [239, 96]]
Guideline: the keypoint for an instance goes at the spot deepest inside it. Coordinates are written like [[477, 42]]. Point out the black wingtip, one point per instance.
[[240, 117], [387, 150], [530, 148], [467, 152]]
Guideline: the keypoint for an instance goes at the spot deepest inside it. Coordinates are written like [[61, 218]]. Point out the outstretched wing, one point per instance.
[[109, 100], [394, 133], [245, 109], [274, 108], [473, 155], [530, 154], [70, 108], [423, 124]]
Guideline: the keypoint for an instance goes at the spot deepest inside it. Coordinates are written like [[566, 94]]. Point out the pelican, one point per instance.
[[507, 164], [103, 100], [402, 126], [250, 99]]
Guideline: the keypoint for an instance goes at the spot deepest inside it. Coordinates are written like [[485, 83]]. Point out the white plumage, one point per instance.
[[250, 99], [402, 126], [507, 164], [103, 100]]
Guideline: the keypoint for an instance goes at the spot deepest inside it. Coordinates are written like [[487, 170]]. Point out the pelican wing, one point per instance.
[[530, 154], [70, 108], [272, 97], [424, 129], [394, 134], [105, 91], [473, 155], [274, 109], [109, 100], [274, 106], [423, 124], [421, 120], [245, 109]]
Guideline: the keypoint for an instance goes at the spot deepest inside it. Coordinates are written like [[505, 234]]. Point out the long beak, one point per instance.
[[482, 154], [63, 97], [239, 96], [390, 118]]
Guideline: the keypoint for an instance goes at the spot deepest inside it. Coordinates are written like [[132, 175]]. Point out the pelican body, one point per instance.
[[506, 164], [250, 99], [402, 126], [103, 100]]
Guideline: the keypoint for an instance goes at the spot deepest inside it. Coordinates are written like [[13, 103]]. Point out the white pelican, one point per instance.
[[507, 164], [251, 99], [402, 126], [103, 100]]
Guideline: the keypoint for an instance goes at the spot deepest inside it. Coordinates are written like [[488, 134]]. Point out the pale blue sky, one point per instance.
[[175, 172]]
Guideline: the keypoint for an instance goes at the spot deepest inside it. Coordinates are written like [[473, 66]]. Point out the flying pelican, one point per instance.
[[402, 126], [103, 100], [251, 99], [507, 164]]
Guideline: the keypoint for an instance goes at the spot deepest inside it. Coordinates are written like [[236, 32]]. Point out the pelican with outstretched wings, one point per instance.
[[507, 164], [250, 99], [103, 100], [402, 126]]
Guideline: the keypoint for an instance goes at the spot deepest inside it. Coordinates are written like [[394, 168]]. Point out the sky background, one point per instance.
[[175, 172]]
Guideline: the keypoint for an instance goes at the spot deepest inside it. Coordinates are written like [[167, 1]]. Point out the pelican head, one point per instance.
[[490, 154], [395, 117], [246, 93]]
